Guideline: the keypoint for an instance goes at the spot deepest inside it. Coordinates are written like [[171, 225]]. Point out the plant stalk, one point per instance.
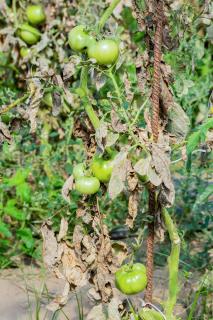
[[14, 103], [107, 13], [173, 262]]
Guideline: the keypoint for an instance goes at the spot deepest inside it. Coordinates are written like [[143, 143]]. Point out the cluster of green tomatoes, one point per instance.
[[27, 31], [104, 52], [88, 181]]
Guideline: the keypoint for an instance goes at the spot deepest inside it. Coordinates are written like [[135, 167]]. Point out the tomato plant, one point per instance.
[[87, 185], [102, 169], [131, 279], [105, 52], [29, 34], [35, 14], [47, 99]]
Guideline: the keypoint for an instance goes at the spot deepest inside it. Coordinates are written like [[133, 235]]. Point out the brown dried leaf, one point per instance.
[[119, 173], [142, 166], [4, 133], [132, 178], [128, 90], [116, 123], [63, 229], [34, 102], [100, 135], [120, 252], [113, 309], [111, 139], [132, 209], [50, 246], [178, 123], [67, 187], [70, 67]]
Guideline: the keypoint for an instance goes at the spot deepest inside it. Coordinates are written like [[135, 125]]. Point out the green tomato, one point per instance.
[[150, 314], [35, 14], [47, 99], [131, 279], [79, 171], [78, 39], [24, 52], [87, 185], [104, 52], [29, 34], [102, 169]]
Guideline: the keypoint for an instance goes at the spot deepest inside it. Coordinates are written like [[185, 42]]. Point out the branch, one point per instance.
[[14, 103]]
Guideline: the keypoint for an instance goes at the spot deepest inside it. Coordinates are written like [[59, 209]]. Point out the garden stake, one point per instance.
[[155, 124]]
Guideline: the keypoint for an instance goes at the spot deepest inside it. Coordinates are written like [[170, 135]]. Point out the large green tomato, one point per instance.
[[78, 39], [87, 185], [104, 52], [102, 169], [29, 34], [131, 279], [79, 171], [150, 314], [35, 14], [24, 52]]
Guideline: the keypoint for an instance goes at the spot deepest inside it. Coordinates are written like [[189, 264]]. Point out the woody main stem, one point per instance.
[[155, 127]]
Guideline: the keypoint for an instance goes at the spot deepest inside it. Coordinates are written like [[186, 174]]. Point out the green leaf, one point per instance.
[[203, 197], [18, 178], [4, 230], [14, 212], [24, 192], [193, 141], [26, 236]]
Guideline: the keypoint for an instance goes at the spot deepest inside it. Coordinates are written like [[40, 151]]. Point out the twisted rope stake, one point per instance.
[[156, 89]]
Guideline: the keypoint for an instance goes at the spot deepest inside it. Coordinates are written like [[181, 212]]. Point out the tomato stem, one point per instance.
[[107, 13]]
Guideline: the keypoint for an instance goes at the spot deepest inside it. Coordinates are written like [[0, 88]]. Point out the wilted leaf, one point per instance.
[[119, 173], [178, 122], [142, 166], [100, 135], [67, 187], [50, 246], [132, 209], [70, 67], [4, 133], [113, 309], [111, 139], [34, 102], [116, 123], [63, 229]]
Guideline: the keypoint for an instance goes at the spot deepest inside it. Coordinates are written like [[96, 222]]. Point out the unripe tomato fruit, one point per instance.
[[35, 14], [87, 185], [104, 52], [29, 34], [48, 99], [131, 279], [79, 171], [102, 169], [24, 52], [150, 314], [78, 39]]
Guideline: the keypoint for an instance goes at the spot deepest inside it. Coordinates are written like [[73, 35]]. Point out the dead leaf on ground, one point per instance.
[[50, 246]]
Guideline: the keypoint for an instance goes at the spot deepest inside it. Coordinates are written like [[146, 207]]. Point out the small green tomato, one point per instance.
[[35, 14], [105, 52], [102, 169], [87, 185], [29, 34], [24, 52], [79, 171], [78, 38], [131, 279]]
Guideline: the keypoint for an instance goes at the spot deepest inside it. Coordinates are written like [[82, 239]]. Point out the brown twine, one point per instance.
[[156, 88]]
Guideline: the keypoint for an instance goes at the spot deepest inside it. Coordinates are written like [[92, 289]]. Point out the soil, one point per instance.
[[25, 293]]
